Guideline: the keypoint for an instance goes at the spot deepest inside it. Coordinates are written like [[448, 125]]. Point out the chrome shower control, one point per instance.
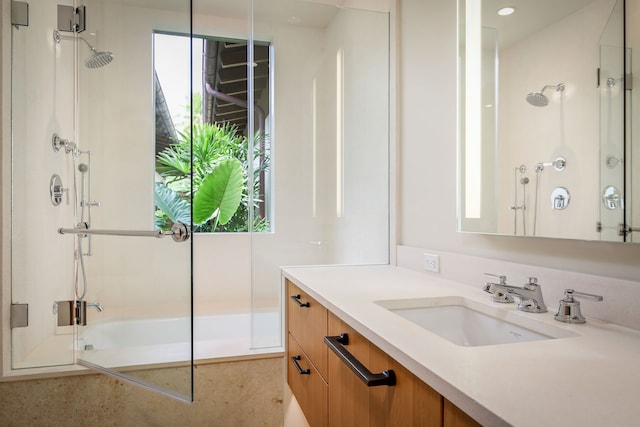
[[56, 190], [569, 309], [57, 143]]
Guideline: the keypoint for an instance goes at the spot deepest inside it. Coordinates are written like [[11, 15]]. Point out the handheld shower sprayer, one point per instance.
[[539, 99], [96, 60]]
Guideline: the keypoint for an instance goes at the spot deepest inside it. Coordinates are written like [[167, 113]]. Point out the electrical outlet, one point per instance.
[[432, 263]]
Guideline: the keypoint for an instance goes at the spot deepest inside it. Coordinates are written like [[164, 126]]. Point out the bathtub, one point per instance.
[[167, 340]]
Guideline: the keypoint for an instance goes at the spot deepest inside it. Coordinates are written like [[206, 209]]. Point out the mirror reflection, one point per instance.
[[542, 119]]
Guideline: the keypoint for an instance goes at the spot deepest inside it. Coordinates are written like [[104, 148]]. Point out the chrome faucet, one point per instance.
[[498, 294], [530, 294], [96, 305]]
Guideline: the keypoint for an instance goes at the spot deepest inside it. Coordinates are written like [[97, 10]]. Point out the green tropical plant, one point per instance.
[[217, 185], [219, 194]]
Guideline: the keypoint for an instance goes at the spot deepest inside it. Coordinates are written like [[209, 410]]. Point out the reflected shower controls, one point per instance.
[[559, 164], [613, 161], [57, 143], [560, 198], [611, 198], [56, 190]]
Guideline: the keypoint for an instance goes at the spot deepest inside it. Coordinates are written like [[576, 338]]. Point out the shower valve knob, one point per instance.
[[57, 190]]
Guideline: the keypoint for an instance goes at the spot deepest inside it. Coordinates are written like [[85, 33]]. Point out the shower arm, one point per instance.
[[57, 37], [559, 87], [179, 232]]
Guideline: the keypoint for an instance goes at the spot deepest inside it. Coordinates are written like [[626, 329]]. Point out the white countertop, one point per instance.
[[592, 379]]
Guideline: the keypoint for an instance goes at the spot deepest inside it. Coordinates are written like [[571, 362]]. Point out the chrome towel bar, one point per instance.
[[179, 232]]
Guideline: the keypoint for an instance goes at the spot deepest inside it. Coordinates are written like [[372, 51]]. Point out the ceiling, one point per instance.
[[529, 16]]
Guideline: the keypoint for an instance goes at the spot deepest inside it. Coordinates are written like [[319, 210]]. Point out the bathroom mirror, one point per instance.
[[545, 149]]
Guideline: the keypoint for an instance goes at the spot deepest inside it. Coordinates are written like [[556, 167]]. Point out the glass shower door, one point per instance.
[[42, 103], [141, 279], [612, 128], [106, 281]]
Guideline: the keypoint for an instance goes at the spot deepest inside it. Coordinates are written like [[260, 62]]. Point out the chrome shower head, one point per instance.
[[539, 99], [96, 60]]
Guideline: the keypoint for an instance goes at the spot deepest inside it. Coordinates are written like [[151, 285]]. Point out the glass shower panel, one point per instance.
[[329, 130], [612, 123], [632, 143], [42, 81], [138, 289]]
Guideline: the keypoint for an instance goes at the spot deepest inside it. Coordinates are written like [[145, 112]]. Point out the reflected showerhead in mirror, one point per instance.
[[97, 59], [539, 99]]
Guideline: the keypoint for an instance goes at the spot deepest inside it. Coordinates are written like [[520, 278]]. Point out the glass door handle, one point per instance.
[[179, 232]]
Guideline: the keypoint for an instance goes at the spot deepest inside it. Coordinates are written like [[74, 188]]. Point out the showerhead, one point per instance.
[[96, 60], [539, 99], [83, 168]]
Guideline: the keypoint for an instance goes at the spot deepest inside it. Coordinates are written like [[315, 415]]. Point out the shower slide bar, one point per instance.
[[179, 232]]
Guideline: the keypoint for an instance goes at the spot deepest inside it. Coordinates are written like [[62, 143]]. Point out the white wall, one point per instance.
[[427, 194]]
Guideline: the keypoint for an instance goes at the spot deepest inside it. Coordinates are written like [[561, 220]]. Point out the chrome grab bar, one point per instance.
[[179, 232]]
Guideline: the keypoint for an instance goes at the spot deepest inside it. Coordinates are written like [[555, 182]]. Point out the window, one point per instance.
[[231, 168]]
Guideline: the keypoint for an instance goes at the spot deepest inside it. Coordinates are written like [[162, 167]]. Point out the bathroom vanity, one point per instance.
[[425, 377]]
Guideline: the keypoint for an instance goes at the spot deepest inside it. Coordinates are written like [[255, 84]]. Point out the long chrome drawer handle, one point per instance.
[[337, 343]]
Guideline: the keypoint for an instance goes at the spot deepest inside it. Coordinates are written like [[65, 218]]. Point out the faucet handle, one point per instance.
[[503, 279], [569, 309], [498, 294], [569, 294], [532, 284]]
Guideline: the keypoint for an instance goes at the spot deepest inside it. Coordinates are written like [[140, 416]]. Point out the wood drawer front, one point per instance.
[[308, 325], [410, 402], [310, 389], [455, 417]]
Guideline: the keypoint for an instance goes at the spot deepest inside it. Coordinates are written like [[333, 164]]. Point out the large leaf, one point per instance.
[[220, 193], [170, 202]]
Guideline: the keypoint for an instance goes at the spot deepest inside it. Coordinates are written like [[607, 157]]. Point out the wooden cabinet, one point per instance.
[[307, 354], [307, 323], [307, 385], [331, 394], [409, 402], [455, 417]]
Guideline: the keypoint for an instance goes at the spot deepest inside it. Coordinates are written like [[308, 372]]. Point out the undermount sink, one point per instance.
[[469, 323]]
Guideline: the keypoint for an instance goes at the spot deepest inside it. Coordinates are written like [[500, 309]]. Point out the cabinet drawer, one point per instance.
[[307, 323], [454, 417], [307, 385], [408, 403]]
